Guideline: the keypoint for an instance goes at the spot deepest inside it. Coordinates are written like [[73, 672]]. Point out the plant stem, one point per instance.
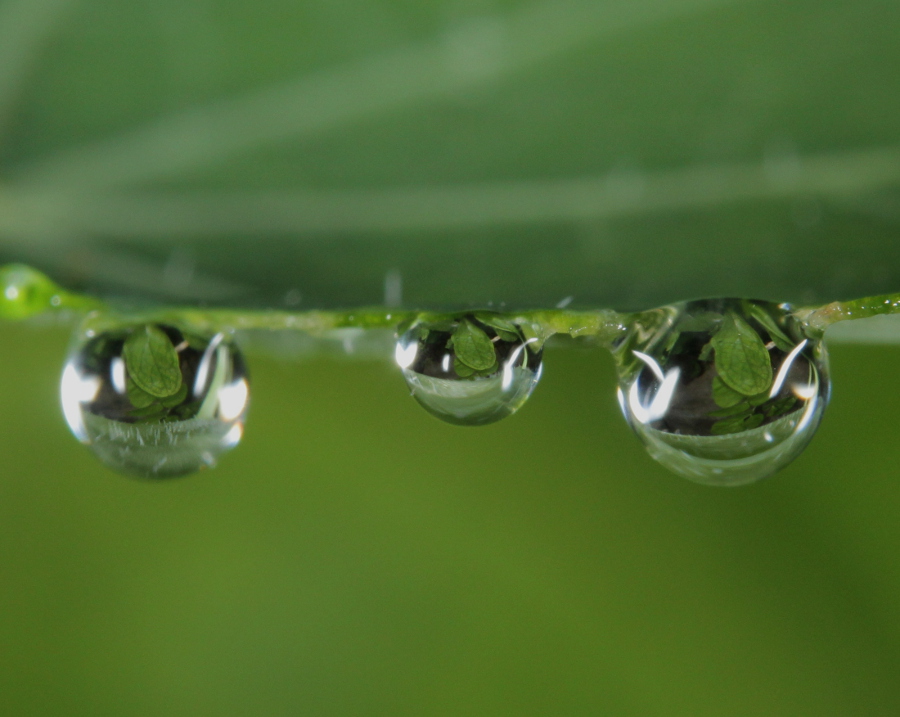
[[603, 326], [819, 319], [26, 293]]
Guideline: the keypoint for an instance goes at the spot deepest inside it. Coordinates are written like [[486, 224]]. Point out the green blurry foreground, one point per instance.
[[356, 556]]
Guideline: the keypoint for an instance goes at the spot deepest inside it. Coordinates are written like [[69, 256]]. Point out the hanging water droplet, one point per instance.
[[469, 370], [153, 400], [723, 391]]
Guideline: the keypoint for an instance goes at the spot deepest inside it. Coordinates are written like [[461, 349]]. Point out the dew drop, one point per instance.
[[469, 370], [725, 391], [25, 291], [153, 400]]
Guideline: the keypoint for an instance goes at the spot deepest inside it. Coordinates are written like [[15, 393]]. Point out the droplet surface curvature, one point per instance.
[[154, 401], [469, 370], [724, 391]]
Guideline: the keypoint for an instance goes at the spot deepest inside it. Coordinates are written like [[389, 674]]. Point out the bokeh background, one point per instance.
[[354, 555]]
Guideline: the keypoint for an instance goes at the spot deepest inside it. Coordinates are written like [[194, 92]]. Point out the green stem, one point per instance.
[[311, 322], [603, 326], [819, 319], [26, 292]]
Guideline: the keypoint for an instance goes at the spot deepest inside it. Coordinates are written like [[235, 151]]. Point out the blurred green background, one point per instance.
[[354, 555], [626, 153]]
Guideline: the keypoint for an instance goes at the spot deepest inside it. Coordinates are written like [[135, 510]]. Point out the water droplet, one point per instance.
[[724, 391], [153, 400], [25, 292], [469, 370]]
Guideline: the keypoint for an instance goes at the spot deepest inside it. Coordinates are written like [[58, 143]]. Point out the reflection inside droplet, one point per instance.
[[723, 391], [469, 370], [176, 409]]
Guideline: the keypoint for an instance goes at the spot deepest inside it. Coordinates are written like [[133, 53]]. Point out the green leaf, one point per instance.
[[780, 407], [490, 370], [430, 332], [759, 399], [724, 395], [741, 356], [735, 424], [477, 246], [176, 398], [473, 347], [671, 341], [152, 362], [446, 326], [187, 410], [736, 410], [462, 370], [534, 338], [766, 320], [139, 397], [498, 323], [699, 321], [754, 421], [151, 413]]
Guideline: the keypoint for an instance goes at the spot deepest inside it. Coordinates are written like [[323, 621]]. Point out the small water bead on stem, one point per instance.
[[470, 369], [26, 292], [154, 400], [723, 391]]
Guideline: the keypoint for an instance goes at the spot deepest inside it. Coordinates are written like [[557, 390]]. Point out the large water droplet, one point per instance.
[[469, 370], [724, 391], [153, 400]]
